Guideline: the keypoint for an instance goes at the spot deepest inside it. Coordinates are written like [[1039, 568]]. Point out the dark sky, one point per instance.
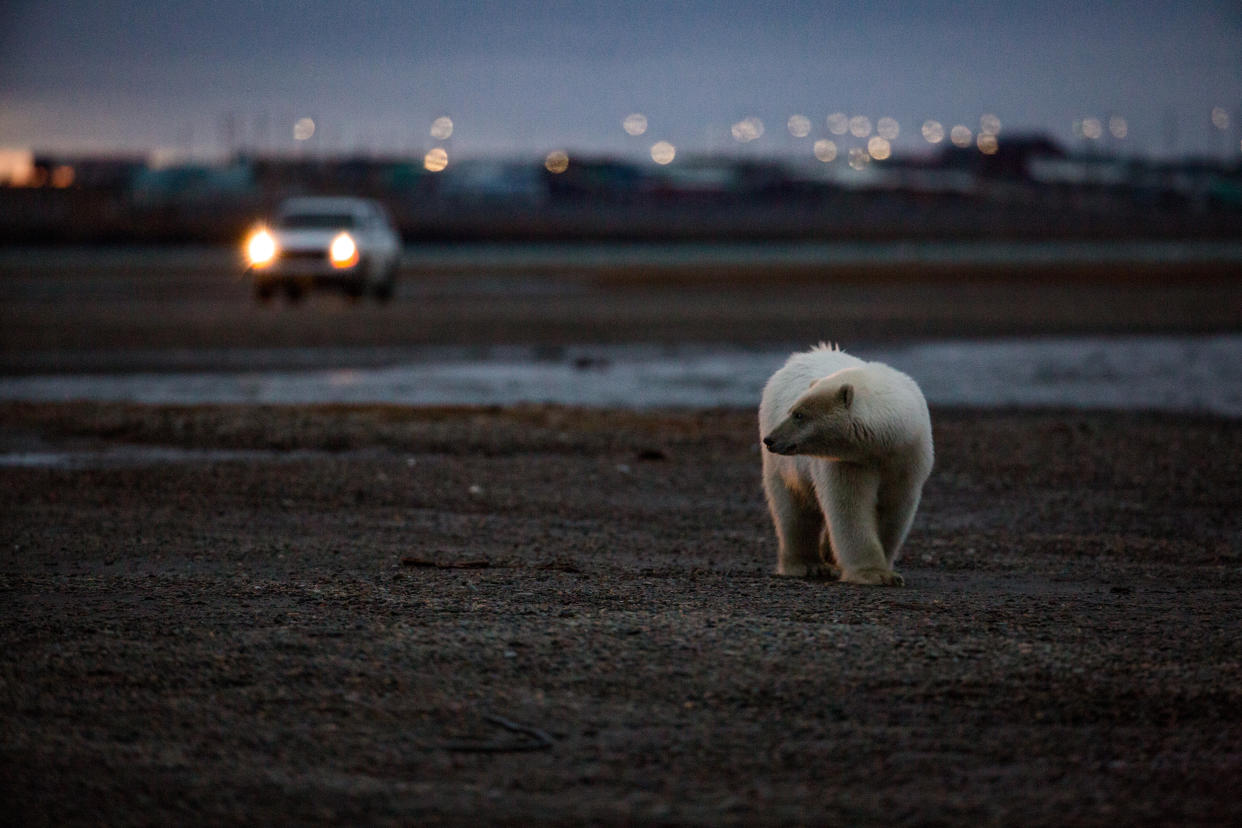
[[527, 77]]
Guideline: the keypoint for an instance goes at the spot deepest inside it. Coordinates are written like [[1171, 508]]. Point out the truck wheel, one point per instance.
[[384, 289]]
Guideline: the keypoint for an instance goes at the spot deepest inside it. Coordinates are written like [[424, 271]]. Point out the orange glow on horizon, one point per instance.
[[17, 168]]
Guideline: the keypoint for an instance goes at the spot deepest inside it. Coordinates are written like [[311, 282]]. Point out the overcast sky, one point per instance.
[[528, 77]]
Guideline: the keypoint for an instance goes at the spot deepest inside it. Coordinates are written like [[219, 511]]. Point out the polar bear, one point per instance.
[[849, 444]]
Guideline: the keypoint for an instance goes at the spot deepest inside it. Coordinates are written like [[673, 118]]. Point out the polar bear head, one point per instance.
[[848, 415]]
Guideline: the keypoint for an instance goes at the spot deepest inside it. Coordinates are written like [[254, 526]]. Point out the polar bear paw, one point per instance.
[[817, 571], [873, 576]]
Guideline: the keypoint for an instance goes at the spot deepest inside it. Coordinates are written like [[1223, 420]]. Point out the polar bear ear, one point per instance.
[[846, 395]]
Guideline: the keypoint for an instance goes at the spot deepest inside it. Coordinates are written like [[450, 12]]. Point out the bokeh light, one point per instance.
[[859, 158], [987, 143], [303, 129], [556, 162], [1220, 118], [635, 123], [838, 123], [747, 130], [933, 132], [435, 160], [442, 128], [825, 150], [1092, 129], [662, 152], [879, 148], [961, 136], [62, 176], [799, 126], [860, 126], [888, 128], [1118, 127], [989, 125]]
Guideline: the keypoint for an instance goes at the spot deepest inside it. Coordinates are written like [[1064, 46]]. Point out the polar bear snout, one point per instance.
[[778, 446], [791, 435]]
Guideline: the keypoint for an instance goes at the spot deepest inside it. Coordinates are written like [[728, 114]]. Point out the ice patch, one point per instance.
[[1169, 373]]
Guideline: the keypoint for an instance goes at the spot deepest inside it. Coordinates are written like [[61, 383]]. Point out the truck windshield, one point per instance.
[[316, 221]]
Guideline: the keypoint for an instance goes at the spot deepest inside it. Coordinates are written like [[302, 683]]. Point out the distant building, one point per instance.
[[1013, 157]]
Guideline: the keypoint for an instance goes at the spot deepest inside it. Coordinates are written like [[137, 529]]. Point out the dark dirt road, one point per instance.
[[316, 627], [87, 310]]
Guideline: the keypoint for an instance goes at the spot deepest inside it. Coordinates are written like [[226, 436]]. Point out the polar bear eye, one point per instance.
[[798, 416]]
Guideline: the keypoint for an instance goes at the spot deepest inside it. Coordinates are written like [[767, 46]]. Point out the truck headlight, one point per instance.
[[343, 252], [261, 248]]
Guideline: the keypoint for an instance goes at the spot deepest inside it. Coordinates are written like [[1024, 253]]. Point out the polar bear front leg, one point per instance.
[[799, 554], [848, 494], [799, 525]]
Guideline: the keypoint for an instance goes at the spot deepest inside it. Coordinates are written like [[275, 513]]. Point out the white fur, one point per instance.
[[849, 481]]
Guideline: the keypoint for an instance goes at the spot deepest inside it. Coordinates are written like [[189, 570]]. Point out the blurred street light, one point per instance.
[[303, 129], [634, 123]]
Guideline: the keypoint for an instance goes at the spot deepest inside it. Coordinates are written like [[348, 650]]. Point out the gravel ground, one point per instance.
[[539, 615], [374, 615]]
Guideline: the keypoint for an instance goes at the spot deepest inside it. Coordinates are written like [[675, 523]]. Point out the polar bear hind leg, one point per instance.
[[896, 508]]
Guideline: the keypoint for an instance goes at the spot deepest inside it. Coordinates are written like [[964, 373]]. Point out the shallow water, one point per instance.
[[120, 456], [1168, 373]]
